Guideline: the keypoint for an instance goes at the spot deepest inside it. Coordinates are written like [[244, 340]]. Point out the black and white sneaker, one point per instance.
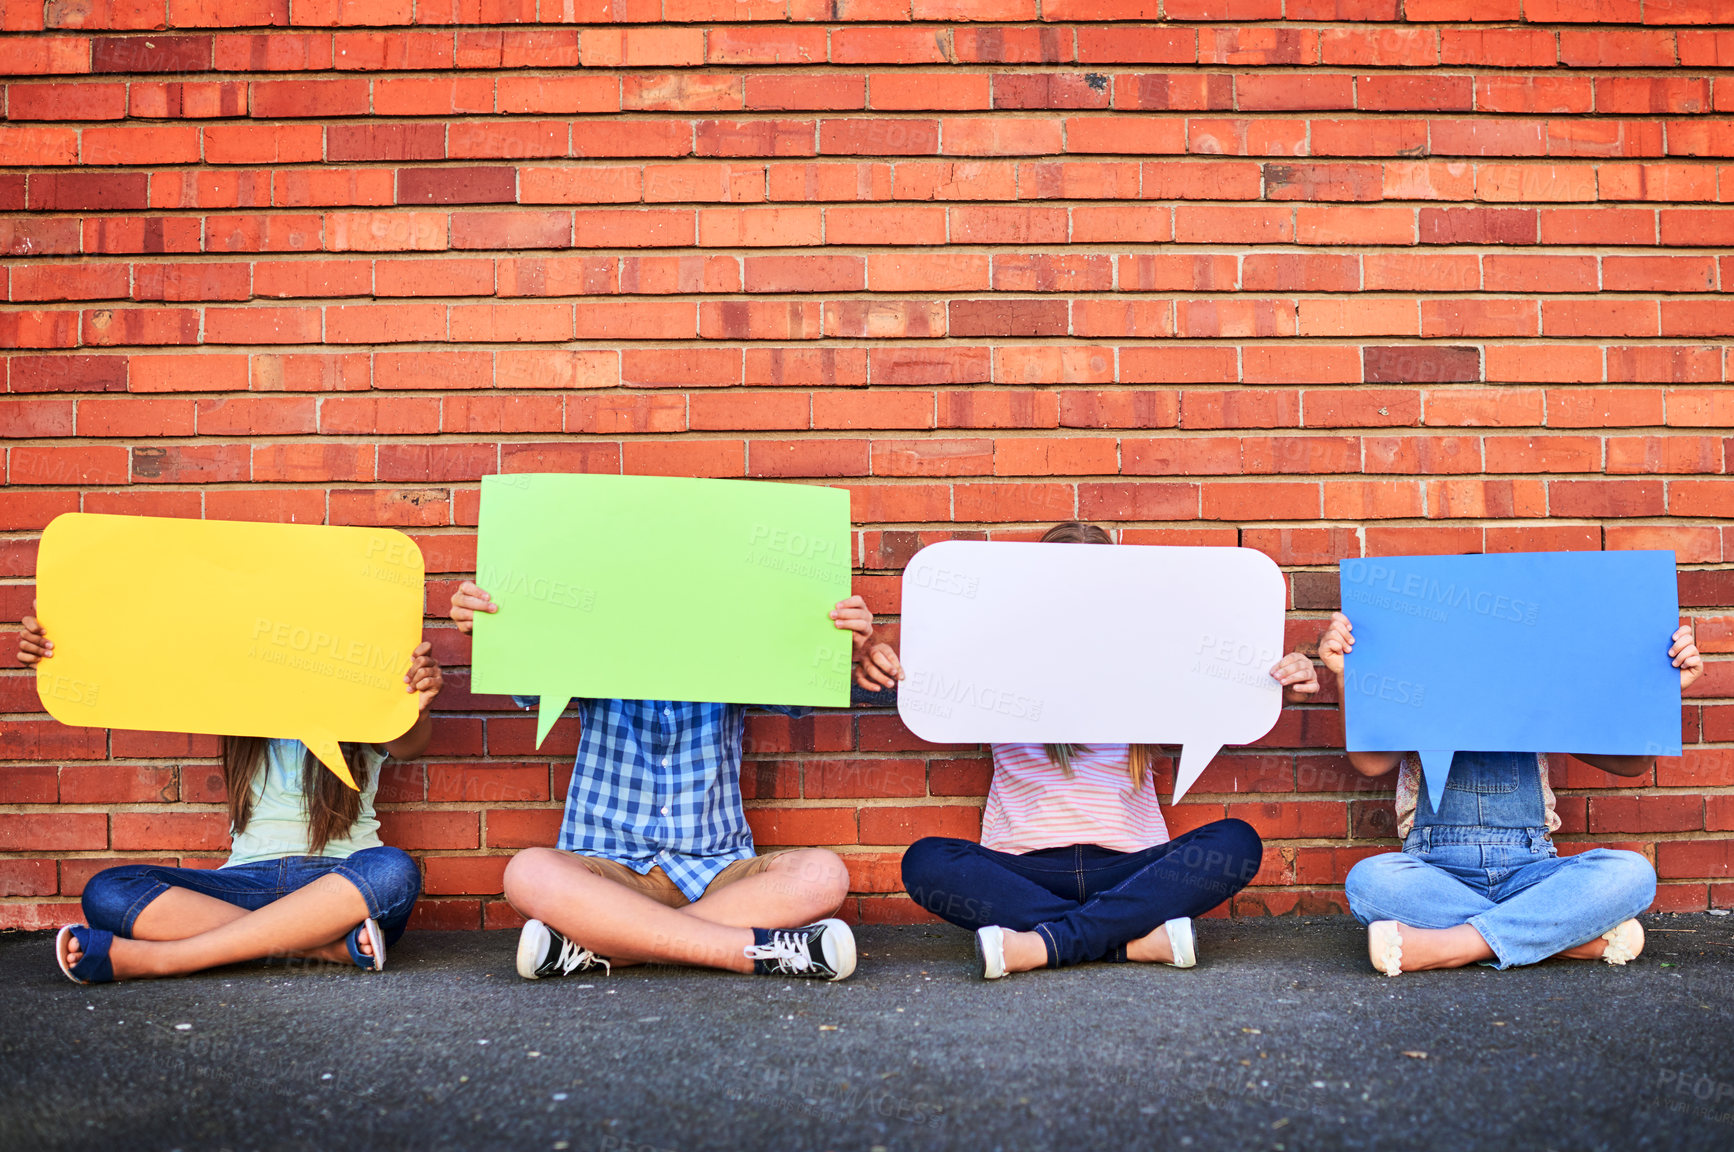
[[825, 950], [544, 952]]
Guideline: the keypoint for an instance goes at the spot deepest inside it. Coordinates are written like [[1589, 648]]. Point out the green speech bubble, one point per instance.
[[661, 588]]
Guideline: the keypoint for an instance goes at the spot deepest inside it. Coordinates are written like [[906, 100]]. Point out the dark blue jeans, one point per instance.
[[386, 878], [1087, 902]]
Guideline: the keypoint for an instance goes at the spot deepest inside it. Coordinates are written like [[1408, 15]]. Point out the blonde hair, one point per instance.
[[1139, 757]]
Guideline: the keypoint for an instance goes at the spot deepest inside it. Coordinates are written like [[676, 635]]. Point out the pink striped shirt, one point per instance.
[[1032, 804]]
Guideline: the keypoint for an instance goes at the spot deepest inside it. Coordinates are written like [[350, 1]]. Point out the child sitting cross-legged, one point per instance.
[[655, 862], [1479, 881]]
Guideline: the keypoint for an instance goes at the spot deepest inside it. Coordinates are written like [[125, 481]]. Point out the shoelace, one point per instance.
[[573, 957], [787, 950]]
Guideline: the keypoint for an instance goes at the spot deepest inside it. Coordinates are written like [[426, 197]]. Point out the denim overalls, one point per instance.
[[1485, 858], [1492, 819]]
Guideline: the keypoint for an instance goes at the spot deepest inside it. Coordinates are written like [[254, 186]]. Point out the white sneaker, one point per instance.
[[824, 950], [544, 952], [990, 950], [1183, 943]]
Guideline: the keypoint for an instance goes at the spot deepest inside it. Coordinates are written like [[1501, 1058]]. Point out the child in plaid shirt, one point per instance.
[[655, 862]]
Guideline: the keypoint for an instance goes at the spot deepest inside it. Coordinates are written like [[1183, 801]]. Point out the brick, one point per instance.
[[1599, 226], [1363, 137], [1622, 48], [1534, 94]]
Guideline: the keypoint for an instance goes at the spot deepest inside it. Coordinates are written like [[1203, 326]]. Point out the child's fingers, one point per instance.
[[861, 622], [472, 597], [886, 660], [1687, 655], [872, 678]]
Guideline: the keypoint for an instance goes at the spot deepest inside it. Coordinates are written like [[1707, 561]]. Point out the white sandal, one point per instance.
[[1385, 946], [1625, 941]]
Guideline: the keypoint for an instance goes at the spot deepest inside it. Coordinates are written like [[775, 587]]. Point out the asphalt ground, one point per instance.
[[1282, 1038]]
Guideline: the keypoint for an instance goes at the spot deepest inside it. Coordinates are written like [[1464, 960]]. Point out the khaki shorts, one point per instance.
[[656, 884]]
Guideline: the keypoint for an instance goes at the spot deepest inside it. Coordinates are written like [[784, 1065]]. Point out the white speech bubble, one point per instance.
[[1092, 644]]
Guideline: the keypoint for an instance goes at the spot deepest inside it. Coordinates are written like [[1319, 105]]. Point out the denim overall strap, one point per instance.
[[1497, 794]]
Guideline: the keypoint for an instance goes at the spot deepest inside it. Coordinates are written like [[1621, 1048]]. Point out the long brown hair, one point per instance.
[[1139, 757], [332, 805]]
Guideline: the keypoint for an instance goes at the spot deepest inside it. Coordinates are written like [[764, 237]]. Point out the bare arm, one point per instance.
[[1337, 642], [425, 680], [1618, 765]]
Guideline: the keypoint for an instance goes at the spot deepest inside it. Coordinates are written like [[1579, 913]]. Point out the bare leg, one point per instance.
[[307, 921], [1025, 951], [798, 888], [181, 912], [1597, 948], [629, 927], [1425, 948], [614, 921], [1152, 948]]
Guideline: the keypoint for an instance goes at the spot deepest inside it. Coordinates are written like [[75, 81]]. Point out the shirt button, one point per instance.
[[665, 810], [665, 761], [669, 712]]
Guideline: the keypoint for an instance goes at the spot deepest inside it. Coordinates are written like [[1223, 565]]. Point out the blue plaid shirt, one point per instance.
[[658, 783]]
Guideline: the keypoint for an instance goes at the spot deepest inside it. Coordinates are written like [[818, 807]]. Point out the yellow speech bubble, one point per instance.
[[230, 628]]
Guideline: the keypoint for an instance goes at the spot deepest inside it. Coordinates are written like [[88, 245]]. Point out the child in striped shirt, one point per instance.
[[1075, 862]]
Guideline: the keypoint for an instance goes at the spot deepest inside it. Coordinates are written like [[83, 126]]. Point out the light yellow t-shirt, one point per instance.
[[277, 826]]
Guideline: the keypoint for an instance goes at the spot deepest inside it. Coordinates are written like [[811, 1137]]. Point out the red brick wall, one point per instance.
[[1320, 277]]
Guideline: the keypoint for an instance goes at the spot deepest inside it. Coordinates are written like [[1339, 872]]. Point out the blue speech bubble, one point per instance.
[[1525, 652]]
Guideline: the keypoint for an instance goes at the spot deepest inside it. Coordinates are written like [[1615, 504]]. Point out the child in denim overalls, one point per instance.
[[1479, 880]]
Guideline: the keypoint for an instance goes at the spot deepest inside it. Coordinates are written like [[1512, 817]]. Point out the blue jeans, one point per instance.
[[1527, 902], [1087, 902], [386, 878]]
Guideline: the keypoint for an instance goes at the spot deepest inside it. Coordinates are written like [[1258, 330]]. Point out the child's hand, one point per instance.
[[1683, 652], [467, 601], [1337, 642], [878, 668], [1296, 674], [853, 615], [424, 675], [33, 645]]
